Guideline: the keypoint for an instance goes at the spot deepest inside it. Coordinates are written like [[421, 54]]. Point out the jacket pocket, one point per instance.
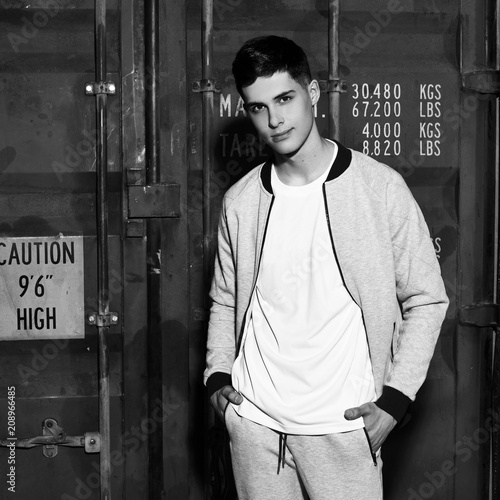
[[394, 340], [372, 454], [227, 410]]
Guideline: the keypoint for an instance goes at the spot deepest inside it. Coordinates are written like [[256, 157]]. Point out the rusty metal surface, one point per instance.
[[135, 275], [412, 52], [158, 200], [47, 185], [151, 196], [182, 451]]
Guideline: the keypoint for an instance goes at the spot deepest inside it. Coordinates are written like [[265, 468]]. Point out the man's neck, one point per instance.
[[307, 165]]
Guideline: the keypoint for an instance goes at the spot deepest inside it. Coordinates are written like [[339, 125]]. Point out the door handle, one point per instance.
[[54, 436]]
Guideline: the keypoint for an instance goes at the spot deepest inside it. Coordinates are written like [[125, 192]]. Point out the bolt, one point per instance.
[[112, 88], [88, 89], [92, 318], [114, 318], [198, 313], [49, 423], [92, 441]]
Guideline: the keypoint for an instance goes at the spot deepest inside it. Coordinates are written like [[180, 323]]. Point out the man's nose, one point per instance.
[[275, 118]]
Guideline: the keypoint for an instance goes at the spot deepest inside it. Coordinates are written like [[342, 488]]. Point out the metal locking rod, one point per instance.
[[102, 250], [54, 436], [333, 68]]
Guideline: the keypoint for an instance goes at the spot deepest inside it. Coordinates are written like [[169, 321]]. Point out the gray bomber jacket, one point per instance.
[[385, 255]]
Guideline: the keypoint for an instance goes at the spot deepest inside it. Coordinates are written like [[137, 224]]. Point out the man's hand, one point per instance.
[[378, 422], [221, 398]]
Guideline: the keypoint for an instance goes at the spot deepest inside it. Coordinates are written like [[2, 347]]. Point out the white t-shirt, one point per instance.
[[304, 358]]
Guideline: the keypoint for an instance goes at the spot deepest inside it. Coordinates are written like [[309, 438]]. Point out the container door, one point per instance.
[[409, 105], [50, 429], [404, 100]]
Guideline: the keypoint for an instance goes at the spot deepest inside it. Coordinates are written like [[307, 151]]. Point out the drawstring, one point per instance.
[[282, 451]]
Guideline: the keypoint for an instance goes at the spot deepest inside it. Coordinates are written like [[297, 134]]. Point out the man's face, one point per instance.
[[281, 110]]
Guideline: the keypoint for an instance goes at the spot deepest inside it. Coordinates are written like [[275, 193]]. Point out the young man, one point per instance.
[[327, 298]]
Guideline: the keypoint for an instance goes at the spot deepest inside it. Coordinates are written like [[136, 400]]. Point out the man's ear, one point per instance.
[[314, 91]]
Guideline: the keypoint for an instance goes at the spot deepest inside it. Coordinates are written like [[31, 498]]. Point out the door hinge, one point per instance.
[[483, 82], [96, 319], [206, 85], [158, 200], [479, 315], [335, 85], [95, 88]]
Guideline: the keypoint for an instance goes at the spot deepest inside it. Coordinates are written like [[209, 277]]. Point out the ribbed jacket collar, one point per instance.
[[339, 166]]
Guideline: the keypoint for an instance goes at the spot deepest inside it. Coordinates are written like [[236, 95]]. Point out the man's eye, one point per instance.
[[286, 99], [256, 109]]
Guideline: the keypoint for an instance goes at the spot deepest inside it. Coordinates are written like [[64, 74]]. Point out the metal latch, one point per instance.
[[483, 82], [158, 200], [480, 315], [54, 436]]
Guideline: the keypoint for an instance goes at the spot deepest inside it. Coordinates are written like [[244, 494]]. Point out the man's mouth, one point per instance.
[[281, 135]]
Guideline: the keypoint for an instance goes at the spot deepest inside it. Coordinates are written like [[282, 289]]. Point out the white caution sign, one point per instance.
[[41, 288]]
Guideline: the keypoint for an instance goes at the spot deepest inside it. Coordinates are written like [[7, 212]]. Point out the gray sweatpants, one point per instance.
[[327, 467]]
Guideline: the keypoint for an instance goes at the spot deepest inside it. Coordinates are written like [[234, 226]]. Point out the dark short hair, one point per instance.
[[265, 55]]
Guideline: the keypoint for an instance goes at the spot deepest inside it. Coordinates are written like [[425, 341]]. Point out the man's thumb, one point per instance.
[[236, 398], [352, 413]]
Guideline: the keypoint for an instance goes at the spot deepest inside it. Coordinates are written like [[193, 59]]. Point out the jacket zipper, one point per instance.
[[262, 244], [327, 213], [374, 456], [333, 246], [243, 323]]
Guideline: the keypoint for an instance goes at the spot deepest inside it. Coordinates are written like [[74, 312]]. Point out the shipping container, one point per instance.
[[120, 131]]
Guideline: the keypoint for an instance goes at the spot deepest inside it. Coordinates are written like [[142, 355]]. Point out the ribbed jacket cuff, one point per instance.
[[393, 402], [216, 381]]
